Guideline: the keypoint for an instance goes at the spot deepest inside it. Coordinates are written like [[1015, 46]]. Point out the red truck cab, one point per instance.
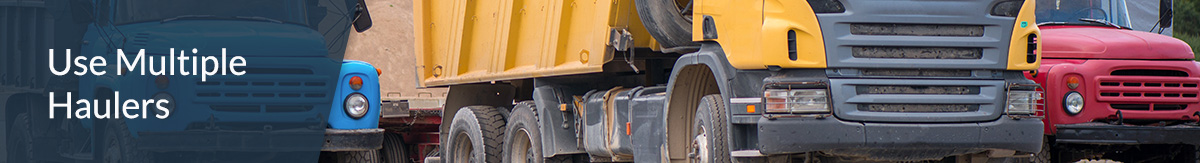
[[1111, 92]]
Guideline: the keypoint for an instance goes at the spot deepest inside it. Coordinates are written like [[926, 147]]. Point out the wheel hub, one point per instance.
[[699, 149]]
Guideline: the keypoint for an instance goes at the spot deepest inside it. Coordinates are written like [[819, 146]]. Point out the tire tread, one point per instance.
[[491, 125]]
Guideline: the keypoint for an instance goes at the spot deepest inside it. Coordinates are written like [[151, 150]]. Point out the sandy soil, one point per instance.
[[388, 45]]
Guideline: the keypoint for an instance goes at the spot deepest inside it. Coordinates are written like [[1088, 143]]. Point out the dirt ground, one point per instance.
[[388, 45]]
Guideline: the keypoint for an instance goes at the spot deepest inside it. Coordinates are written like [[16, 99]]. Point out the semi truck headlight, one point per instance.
[[1023, 102], [796, 101], [356, 105], [1073, 103], [1008, 8]]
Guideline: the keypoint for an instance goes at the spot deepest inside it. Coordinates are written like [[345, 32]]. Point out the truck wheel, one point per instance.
[[1042, 156], [523, 137], [393, 150], [708, 132], [118, 144], [667, 22], [475, 135], [20, 148], [369, 156]]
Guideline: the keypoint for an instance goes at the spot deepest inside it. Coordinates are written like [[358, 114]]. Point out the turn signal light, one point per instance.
[[378, 71], [356, 83], [1073, 82], [161, 82]]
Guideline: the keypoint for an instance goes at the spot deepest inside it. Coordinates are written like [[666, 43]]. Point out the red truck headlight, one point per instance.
[[1073, 103]]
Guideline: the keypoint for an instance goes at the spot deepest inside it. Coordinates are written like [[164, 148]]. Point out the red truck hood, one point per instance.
[[1089, 42]]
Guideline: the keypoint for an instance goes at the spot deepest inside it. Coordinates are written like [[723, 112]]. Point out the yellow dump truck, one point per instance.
[[731, 80]]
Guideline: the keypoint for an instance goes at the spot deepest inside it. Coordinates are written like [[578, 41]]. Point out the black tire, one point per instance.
[[476, 135], [394, 150], [1043, 156], [20, 142], [369, 156], [664, 21], [119, 145], [523, 136], [710, 119]]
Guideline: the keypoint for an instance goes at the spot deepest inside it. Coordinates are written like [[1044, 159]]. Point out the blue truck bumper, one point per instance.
[[337, 140], [246, 141]]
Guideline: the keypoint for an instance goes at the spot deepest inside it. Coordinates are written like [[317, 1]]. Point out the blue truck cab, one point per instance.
[[291, 78]]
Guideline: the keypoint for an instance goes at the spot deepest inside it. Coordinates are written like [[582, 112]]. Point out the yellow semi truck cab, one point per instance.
[[725, 80]]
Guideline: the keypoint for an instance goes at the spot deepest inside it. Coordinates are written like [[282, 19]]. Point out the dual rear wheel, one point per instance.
[[475, 136]]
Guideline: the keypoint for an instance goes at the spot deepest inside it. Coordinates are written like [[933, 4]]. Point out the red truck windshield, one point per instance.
[[1070, 11]]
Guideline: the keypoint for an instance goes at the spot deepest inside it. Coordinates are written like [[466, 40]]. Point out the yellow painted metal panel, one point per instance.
[[472, 41], [754, 33], [1022, 29]]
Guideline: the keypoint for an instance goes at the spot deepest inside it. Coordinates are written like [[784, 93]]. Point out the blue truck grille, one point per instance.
[[268, 90]]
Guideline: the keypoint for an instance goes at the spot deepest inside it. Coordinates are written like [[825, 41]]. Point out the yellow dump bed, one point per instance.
[[472, 41]]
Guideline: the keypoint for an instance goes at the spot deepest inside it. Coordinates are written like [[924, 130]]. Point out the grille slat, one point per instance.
[[942, 90], [916, 29], [918, 108], [1149, 107], [1149, 72], [237, 108], [916, 52], [917, 72]]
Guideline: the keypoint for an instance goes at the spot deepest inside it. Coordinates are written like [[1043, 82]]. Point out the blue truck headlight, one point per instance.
[[356, 105], [796, 101], [170, 106], [1023, 102]]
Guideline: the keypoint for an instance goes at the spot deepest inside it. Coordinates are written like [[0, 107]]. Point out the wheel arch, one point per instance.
[[695, 75]]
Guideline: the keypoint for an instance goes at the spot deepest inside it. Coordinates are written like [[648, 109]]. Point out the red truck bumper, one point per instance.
[[1102, 133]]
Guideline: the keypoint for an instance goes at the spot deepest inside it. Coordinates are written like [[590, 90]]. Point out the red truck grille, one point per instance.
[[1149, 93]]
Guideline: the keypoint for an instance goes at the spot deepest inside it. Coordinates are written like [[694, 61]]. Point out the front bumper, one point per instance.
[[890, 140], [246, 141], [1101, 133], [337, 140]]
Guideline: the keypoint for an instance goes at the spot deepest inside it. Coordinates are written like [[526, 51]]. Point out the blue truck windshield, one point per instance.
[[1070, 11], [134, 11]]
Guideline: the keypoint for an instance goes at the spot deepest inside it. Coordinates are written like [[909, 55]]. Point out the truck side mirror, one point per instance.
[[1165, 13], [81, 11], [362, 17]]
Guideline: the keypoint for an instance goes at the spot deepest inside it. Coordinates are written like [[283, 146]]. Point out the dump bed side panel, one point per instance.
[[471, 41]]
